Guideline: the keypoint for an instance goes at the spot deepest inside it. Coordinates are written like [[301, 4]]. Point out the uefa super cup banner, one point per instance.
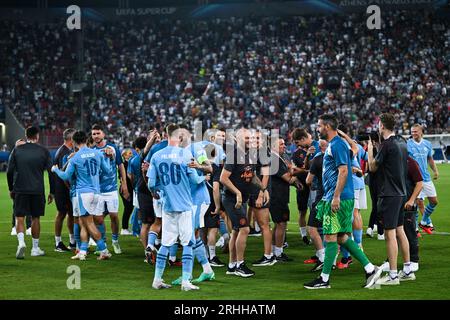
[[220, 9]]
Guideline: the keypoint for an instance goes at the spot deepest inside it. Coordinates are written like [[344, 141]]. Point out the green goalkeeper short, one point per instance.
[[336, 222]]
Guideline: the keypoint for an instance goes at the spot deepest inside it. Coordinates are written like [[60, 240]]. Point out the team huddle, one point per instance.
[[231, 182]]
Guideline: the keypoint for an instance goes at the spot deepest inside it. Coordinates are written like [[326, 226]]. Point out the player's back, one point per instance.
[[87, 164], [172, 171]]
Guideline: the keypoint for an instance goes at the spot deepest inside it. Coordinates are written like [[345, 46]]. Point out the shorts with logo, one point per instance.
[[238, 217], [336, 222]]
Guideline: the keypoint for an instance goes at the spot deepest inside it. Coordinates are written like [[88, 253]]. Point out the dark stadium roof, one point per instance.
[[116, 3]]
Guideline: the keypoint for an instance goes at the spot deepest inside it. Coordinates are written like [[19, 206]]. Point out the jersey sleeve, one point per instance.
[[194, 178], [340, 154], [200, 155], [11, 169], [68, 173], [130, 169], [216, 173], [152, 174], [56, 159], [149, 155], [430, 150], [134, 166], [118, 156], [363, 154]]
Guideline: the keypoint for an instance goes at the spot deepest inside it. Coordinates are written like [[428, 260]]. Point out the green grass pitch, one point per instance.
[[126, 276]]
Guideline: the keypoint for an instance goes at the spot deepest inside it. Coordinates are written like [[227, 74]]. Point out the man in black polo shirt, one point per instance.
[[238, 177], [282, 179], [307, 148], [26, 167], [257, 200], [414, 184], [392, 168], [62, 195]]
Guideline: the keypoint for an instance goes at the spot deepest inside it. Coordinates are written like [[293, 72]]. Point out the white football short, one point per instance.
[[360, 199], [176, 225], [199, 215], [158, 207], [86, 203], [108, 201], [428, 190]]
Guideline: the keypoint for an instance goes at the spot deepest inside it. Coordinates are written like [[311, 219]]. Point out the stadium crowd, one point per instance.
[[270, 73]]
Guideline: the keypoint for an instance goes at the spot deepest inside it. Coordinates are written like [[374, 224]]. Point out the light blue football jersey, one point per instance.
[[421, 151], [169, 166], [86, 164], [108, 180]]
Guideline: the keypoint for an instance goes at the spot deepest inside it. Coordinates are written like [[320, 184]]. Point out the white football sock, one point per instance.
[[21, 238], [369, 268], [393, 274], [278, 251], [207, 268], [325, 277], [303, 231], [212, 251], [321, 254], [35, 243], [407, 267]]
